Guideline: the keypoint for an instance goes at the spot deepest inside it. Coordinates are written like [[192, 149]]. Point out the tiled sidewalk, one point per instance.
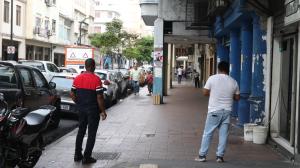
[[136, 130]]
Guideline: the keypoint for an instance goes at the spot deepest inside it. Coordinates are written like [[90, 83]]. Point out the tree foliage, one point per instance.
[[141, 50], [116, 39]]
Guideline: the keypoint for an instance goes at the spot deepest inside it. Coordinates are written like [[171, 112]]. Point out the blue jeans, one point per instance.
[[136, 86], [218, 119]]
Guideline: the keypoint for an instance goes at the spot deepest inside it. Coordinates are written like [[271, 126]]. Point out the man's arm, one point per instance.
[[206, 92], [100, 101]]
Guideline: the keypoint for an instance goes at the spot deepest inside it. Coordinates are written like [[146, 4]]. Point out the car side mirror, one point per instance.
[[1, 97], [52, 85]]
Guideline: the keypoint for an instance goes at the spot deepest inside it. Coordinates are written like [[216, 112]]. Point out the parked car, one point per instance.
[[64, 83], [26, 86], [112, 88], [68, 70], [49, 69], [122, 81]]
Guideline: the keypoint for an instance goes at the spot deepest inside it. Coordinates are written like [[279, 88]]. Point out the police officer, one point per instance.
[[87, 93]]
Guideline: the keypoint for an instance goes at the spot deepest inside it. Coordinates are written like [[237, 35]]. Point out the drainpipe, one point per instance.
[[235, 63], [246, 72], [257, 97]]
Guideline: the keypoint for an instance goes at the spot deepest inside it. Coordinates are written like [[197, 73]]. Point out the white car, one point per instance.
[[48, 68]]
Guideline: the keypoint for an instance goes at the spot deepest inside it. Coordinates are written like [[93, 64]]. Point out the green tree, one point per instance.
[[113, 39], [141, 50]]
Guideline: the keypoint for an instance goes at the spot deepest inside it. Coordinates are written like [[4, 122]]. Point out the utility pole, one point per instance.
[[11, 49]]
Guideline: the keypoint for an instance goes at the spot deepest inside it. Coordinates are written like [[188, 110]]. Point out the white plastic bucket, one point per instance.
[[260, 134], [248, 131]]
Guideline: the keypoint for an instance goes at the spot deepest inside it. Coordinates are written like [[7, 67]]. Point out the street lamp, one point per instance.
[[80, 26]]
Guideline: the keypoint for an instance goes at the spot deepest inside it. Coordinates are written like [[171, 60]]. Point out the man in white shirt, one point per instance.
[[135, 76], [222, 90], [179, 74]]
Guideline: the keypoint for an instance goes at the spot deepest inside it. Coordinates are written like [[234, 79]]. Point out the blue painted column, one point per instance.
[[235, 62], [246, 72], [257, 97], [222, 52]]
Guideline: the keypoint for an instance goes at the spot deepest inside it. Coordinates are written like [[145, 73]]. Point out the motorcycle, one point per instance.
[[21, 134]]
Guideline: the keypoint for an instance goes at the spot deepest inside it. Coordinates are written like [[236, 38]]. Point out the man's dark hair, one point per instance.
[[223, 66], [90, 64]]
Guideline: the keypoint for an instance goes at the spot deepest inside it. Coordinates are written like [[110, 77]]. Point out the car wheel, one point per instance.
[[54, 123]]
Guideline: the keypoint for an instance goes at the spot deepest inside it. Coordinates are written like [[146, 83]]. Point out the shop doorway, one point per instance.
[[288, 89]]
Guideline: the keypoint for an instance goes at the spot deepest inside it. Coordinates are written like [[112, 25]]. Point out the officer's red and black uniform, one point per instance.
[[86, 87]]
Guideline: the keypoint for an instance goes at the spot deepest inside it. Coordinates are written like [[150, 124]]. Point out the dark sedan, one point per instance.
[[63, 86], [25, 86]]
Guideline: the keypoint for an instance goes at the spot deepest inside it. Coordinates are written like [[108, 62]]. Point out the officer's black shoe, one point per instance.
[[88, 160], [78, 158]]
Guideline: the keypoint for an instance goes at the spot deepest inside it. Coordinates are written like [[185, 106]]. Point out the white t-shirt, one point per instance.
[[222, 89], [179, 71]]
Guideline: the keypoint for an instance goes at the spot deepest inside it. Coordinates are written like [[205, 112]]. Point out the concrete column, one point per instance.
[[257, 88], [158, 65], [184, 64], [173, 61], [246, 72], [235, 63], [22, 50], [222, 52], [169, 66]]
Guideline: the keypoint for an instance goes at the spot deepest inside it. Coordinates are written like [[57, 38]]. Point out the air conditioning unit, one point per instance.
[[36, 30], [48, 3]]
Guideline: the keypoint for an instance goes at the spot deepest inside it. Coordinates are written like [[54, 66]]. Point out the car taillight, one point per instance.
[[106, 82]]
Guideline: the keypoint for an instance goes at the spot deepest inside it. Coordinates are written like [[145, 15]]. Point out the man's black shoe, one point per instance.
[[78, 158], [88, 160]]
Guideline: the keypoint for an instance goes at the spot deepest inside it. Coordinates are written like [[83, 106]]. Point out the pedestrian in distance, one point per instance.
[[135, 75], [179, 74], [222, 90], [196, 78], [87, 93], [149, 81]]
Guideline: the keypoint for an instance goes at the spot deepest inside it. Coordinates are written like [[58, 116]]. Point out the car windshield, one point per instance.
[[37, 65], [52, 68], [63, 83], [7, 77], [103, 76]]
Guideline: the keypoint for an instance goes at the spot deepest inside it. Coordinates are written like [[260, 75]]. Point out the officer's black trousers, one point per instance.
[[90, 120]]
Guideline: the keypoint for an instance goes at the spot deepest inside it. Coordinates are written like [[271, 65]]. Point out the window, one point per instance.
[[26, 78], [97, 14], [97, 29], [52, 68], [47, 24], [53, 26], [7, 77], [54, 2], [18, 15], [38, 22], [109, 14], [39, 79], [6, 12]]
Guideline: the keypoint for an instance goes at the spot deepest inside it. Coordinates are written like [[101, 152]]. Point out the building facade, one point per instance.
[[42, 29], [260, 40], [19, 28]]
